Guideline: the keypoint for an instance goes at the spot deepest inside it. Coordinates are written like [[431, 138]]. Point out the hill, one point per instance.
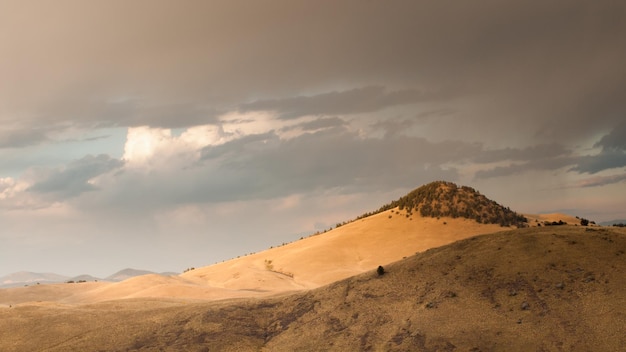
[[541, 288], [446, 199], [430, 216], [343, 252]]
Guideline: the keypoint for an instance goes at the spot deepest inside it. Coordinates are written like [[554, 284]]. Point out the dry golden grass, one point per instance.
[[343, 252], [467, 296]]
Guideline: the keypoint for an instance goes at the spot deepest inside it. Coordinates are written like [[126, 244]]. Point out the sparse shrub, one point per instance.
[[380, 271], [584, 222]]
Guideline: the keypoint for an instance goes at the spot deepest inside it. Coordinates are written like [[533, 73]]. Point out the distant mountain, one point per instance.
[[22, 278], [612, 222], [446, 199], [127, 274], [169, 273]]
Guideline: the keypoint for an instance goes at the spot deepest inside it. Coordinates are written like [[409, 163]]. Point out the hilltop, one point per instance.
[[446, 199]]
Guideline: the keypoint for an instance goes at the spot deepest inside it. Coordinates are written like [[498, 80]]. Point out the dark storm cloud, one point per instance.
[[355, 101], [546, 63], [72, 180]]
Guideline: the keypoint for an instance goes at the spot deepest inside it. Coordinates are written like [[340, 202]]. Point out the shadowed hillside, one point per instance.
[[446, 199], [534, 289]]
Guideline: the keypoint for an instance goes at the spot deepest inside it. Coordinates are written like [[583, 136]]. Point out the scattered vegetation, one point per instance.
[[269, 266], [380, 271], [554, 223], [441, 198]]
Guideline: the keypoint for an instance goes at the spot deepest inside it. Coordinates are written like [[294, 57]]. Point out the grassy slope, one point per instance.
[[464, 296]]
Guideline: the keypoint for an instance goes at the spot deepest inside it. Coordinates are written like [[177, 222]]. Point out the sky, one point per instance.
[[163, 135]]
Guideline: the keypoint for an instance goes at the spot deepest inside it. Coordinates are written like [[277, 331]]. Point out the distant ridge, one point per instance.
[[446, 199], [22, 278], [613, 222], [127, 274]]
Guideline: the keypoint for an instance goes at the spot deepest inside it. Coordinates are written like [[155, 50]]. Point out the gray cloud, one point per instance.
[[355, 101], [520, 168], [21, 137], [238, 147], [555, 156], [615, 140], [602, 180], [72, 180], [393, 127], [267, 167], [536, 152], [612, 155], [317, 124], [321, 123], [603, 161]]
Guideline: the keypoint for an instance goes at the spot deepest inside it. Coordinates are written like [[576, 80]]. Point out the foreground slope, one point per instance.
[[549, 289]]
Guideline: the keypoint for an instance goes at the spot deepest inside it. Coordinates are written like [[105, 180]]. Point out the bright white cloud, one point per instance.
[[151, 148]]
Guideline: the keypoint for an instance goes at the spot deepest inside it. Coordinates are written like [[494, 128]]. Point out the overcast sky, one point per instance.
[[167, 134]]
